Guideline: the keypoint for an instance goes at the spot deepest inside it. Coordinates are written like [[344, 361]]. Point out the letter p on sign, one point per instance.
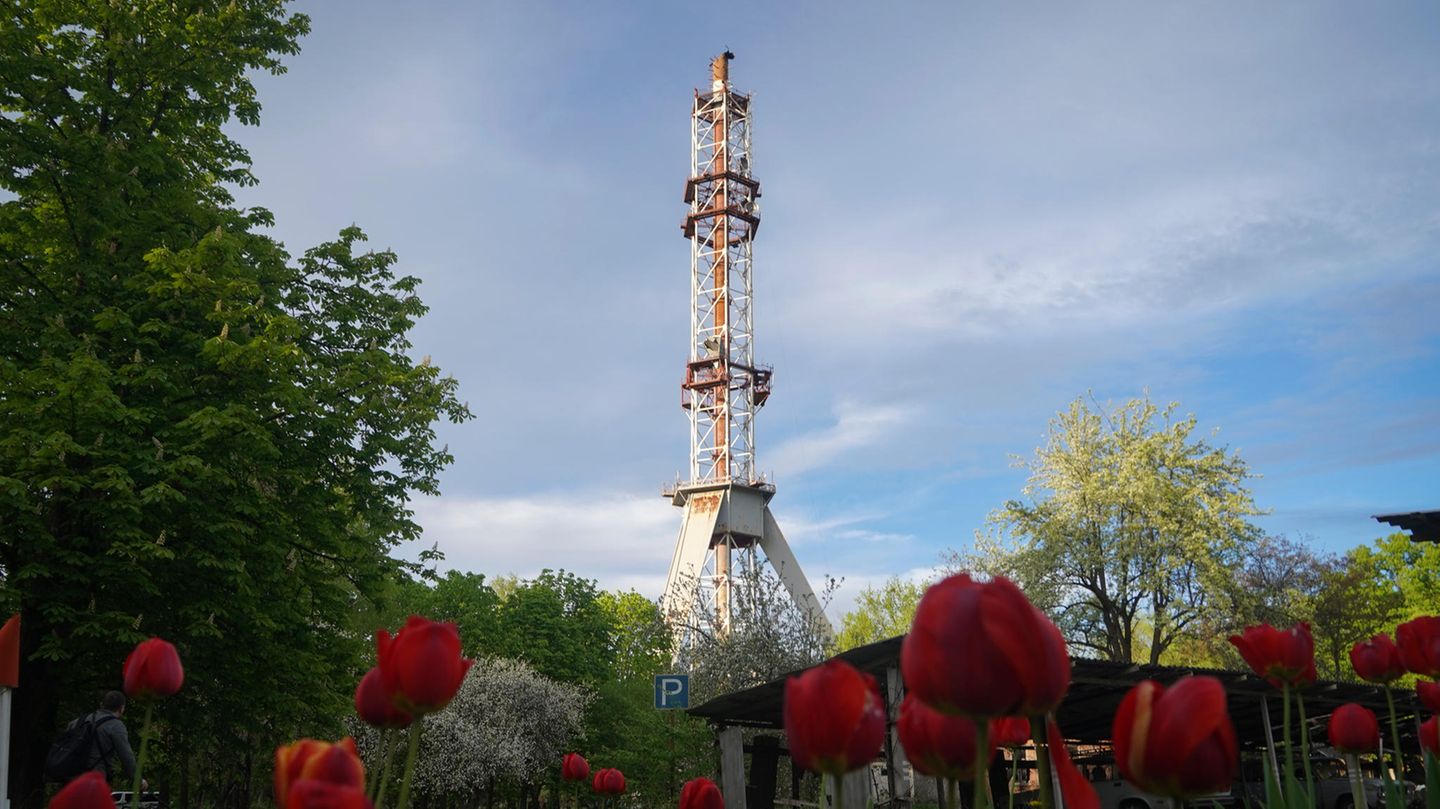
[[672, 691]]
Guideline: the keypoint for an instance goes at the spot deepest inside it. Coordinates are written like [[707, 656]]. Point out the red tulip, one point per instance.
[[1377, 660], [308, 759], [311, 793], [153, 670], [421, 666], [1429, 694], [374, 705], [10, 653], [1075, 789], [937, 744], [1176, 741], [1282, 658], [834, 718], [1354, 729], [983, 650], [1430, 736], [1419, 642], [1010, 731], [609, 781], [88, 791], [574, 767], [701, 793]]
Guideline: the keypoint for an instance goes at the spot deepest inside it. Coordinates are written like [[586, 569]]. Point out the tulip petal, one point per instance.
[[1075, 788]]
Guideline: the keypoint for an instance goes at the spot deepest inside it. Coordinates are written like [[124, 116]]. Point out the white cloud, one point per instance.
[[856, 427], [621, 540]]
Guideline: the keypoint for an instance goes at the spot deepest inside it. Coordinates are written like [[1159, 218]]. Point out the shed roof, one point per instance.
[[1424, 526], [1096, 688]]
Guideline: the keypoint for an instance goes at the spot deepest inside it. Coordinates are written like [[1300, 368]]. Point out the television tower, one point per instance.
[[726, 502]]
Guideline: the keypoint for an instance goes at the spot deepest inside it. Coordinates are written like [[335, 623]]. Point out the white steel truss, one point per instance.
[[726, 502], [723, 386]]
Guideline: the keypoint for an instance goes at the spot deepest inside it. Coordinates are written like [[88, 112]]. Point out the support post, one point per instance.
[[732, 768], [4, 748], [857, 789], [892, 737]]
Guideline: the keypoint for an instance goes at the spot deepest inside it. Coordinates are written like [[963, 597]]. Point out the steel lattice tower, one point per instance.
[[726, 501]]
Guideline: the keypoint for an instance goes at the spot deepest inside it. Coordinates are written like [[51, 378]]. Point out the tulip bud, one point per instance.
[[1010, 731], [1283, 658], [1419, 642], [1178, 742], [309, 759], [88, 791], [1354, 729], [1377, 660], [1429, 694], [983, 650], [936, 744], [834, 718], [374, 705], [309, 793], [609, 781], [153, 670], [574, 767], [701, 793], [1430, 736], [421, 665]]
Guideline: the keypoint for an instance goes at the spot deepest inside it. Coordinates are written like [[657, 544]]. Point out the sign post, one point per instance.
[[672, 691]]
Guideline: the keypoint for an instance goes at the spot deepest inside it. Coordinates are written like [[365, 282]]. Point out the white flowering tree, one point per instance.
[[508, 725]]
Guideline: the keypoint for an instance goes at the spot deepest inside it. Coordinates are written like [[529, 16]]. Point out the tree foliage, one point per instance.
[[769, 634], [1130, 523], [200, 438], [880, 613], [509, 724]]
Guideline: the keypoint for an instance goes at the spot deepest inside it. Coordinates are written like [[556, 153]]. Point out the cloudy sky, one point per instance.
[[974, 213]]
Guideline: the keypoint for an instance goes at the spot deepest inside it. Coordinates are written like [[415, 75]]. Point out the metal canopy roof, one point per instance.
[[1424, 526], [1096, 688]]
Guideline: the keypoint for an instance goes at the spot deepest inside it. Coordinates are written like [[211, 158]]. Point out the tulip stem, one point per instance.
[[1305, 747], [952, 793], [1289, 776], [982, 761], [390, 738], [839, 791], [1042, 757], [1014, 775], [1395, 738], [403, 802], [140, 762], [1357, 792]]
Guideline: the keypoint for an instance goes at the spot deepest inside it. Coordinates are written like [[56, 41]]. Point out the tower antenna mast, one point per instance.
[[726, 501]]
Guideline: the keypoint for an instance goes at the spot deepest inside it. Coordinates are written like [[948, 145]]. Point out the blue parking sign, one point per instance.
[[672, 691]]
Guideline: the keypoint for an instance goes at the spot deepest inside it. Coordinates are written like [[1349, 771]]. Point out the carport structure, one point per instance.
[[1085, 717]]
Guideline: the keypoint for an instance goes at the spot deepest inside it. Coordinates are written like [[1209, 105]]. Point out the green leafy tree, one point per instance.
[[1356, 600], [200, 438], [1129, 522], [880, 613], [556, 623], [466, 599], [1411, 567], [657, 750]]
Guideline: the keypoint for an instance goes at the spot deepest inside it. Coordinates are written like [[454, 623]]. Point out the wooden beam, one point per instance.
[[732, 767]]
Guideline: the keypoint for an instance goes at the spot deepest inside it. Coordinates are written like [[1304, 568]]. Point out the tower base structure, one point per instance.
[[725, 524]]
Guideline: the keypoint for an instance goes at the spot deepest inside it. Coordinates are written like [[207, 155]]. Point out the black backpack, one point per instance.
[[69, 756]]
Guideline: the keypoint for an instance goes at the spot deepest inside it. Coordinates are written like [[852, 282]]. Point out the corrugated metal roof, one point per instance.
[[1096, 688], [1424, 526]]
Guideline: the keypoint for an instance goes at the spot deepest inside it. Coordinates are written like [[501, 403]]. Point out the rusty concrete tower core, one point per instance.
[[727, 524]]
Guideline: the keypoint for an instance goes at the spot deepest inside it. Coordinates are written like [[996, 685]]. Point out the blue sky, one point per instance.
[[974, 213]]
